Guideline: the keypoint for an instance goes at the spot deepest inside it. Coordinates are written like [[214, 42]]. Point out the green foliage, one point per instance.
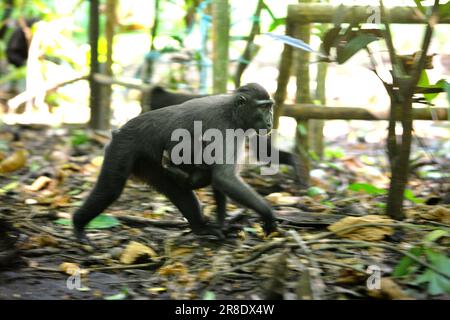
[[435, 282], [409, 195], [14, 75], [353, 47], [315, 191], [79, 137], [375, 191], [366, 188], [424, 82], [119, 296], [103, 221], [420, 6], [209, 295], [334, 153]]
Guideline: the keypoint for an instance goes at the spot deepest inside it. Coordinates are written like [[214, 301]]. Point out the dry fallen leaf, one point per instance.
[[71, 269], [176, 268], [180, 252], [14, 162], [39, 241], [282, 198], [369, 233], [156, 290], [39, 184], [134, 250], [389, 290], [433, 213]]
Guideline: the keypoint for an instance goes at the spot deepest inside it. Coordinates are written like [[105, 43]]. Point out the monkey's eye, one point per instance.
[[241, 100]]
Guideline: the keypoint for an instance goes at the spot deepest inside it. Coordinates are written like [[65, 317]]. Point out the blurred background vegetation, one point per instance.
[[179, 48]]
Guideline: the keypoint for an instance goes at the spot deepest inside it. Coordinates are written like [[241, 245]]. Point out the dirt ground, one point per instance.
[[148, 251]]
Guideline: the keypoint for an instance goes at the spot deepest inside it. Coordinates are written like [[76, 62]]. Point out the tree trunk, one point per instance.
[[97, 120], [221, 29], [247, 56]]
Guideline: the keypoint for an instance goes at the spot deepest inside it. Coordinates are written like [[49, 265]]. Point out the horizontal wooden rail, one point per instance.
[[325, 13], [129, 83], [306, 112]]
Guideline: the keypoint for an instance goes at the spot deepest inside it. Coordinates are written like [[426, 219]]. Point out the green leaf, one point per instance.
[[209, 295], [315, 191], [79, 138], [437, 284], [103, 221], [435, 235], [302, 129], [406, 264], [367, 188], [119, 296], [424, 82], [353, 46], [444, 10], [10, 186], [276, 23], [334, 153], [409, 195], [420, 6]]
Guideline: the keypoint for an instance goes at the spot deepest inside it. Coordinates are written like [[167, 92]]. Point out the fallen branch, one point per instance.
[[158, 223], [318, 286], [27, 96], [365, 244]]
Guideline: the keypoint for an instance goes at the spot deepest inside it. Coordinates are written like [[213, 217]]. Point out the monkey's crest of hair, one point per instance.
[[254, 90]]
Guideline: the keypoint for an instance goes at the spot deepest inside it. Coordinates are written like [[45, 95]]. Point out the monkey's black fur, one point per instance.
[[159, 98], [137, 148]]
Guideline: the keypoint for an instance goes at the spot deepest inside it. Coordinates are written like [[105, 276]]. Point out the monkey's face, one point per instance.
[[255, 108]]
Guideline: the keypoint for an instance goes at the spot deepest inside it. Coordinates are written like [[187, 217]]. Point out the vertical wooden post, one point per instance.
[[97, 118], [316, 126], [284, 74], [109, 34], [221, 30], [303, 94]]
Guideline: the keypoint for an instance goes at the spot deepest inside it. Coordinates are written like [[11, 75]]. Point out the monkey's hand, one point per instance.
[[269, 227]]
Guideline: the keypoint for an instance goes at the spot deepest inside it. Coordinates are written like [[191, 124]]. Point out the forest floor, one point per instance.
[[334, 243]]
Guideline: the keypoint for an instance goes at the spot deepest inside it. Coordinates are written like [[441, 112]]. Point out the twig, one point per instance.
[[353, 243], [364, 225], [27, 96], [116, 267], [319, 286], [159, 223]]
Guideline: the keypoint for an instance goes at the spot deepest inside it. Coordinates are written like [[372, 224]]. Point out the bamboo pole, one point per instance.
[[221, 38], [325, 13], [306, 111]]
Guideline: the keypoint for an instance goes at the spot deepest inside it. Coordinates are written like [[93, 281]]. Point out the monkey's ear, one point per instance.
[[241, 101]]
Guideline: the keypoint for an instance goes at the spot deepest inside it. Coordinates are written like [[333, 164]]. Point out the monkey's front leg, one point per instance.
[[225, 179]]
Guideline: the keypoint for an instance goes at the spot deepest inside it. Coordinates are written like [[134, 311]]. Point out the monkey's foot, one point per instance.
[[82, 238], [208, 231]]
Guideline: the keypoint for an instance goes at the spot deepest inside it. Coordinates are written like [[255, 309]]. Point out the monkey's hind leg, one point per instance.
[[116, 168], [186, 201]]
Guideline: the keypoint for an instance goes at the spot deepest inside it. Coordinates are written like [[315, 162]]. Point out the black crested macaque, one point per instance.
[[159, 98], [138, 147]]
